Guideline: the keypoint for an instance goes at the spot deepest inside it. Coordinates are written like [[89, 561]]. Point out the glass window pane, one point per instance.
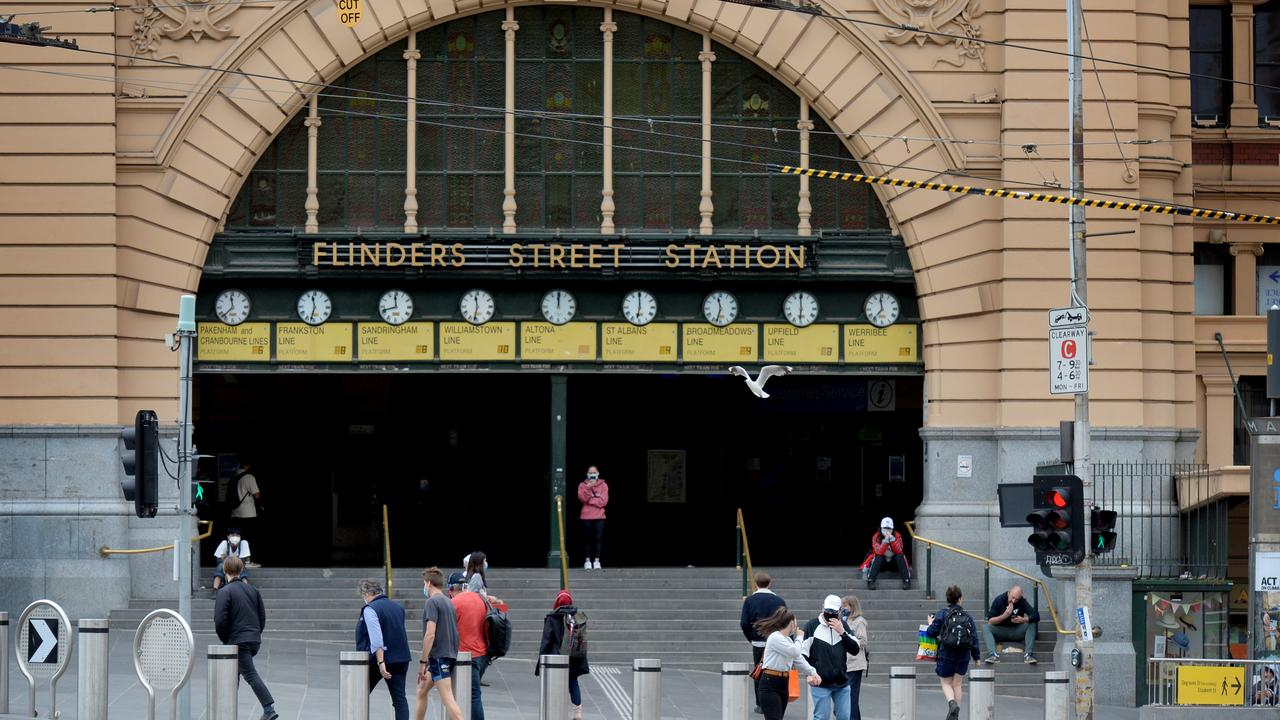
[[488, 210], [293, 196], [262, 194], [390, 200], [725, 194], [462, 197], [685, 201], [586, 200], [784, 194], [360, 200], [559, 201], [333, 200], [627, 200], [529, 201], [431, 201], [627, 92]]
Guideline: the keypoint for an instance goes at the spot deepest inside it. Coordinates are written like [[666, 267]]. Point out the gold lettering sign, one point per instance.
[[247, 342], [571, 342], [729, 344], [300, 342], [460, 341], [561, 256], [348, 12], [870, 344], [813, 344], [624, 342], [380, 342]]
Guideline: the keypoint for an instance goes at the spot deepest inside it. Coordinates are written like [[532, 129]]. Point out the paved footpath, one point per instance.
[[304, 679]]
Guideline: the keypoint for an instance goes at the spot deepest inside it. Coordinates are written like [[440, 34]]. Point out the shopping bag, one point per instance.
[[793, 685], [928, 649]]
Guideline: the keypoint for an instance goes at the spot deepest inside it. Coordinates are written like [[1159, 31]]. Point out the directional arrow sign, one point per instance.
[[1275, 276], [42, 641], [1068, 317]]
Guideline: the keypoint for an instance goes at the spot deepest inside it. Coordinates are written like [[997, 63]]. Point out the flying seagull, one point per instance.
[[766, 372]]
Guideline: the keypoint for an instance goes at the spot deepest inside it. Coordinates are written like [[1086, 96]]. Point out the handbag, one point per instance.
[[757, 671], [793, 685], [928, 648]]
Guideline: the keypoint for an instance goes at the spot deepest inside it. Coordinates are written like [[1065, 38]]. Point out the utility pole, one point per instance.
[[1080, 297], [186, 337]]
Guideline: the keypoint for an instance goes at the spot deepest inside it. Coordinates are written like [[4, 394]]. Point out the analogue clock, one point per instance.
[[882, 309], [314, 307], [232, 307], [639, 307], [720, 308], [558, 307], [395, 306], [476, 306], [800, 308]]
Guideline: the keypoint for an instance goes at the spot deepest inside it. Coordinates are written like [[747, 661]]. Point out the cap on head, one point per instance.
[[886, 523], [831, 603], [457, 580]]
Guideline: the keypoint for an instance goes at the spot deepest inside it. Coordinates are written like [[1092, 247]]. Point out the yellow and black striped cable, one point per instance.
[[1130, 205]]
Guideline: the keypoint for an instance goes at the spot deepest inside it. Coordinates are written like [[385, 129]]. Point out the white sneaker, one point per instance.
[[586, 565], [597, 565]]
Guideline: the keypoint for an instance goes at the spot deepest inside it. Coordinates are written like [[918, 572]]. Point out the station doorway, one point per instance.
[[462, 462]]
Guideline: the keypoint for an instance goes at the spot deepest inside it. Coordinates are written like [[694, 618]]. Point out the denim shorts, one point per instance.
[[440, 668]]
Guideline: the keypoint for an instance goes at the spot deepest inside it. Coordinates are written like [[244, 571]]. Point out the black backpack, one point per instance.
[[497, 632], [574, 642], [957, 631]]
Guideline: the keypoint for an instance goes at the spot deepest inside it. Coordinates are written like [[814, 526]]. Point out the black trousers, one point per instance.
[[250, 673], [774, 696], [593, 538], [878, 563], [395, 685], [757, 654]]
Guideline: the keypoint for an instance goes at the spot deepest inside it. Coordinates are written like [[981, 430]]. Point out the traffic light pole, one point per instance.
[[186, 466]]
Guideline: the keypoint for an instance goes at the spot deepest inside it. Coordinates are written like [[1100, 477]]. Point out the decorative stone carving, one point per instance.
[[195, 18], [920, 18]]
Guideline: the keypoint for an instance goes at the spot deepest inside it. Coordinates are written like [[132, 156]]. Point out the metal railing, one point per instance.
[[105, 551], [564, 557], [987, 564], [744, 557], [1226, 683], [386, 548]]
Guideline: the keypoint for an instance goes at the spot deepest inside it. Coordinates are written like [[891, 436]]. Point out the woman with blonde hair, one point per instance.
[[855, 665]]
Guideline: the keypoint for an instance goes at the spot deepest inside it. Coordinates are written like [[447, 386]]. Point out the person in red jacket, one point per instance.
[[594, 495], [886, 546]]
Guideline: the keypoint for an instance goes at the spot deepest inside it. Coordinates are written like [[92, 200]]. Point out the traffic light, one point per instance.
[[1102, 533], [141, 459], [1057, 520]]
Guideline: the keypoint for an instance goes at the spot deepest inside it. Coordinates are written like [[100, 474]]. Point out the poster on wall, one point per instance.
[[666, 476], [1267, 635]]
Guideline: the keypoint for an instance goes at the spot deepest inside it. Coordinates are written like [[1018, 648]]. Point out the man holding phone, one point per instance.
[[831, 643], [1011, 619]]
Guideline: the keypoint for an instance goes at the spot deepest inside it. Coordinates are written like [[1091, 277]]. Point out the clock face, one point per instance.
[[882, 309], [558, 307], [720, 308], [639, 307], [314, 307], [800, 308], [232, 307], [476, 306], [395, 307]]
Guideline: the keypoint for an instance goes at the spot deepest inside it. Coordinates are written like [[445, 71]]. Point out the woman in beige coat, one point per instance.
[[855, 665]]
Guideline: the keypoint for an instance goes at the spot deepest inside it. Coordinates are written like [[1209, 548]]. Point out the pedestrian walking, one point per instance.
[[759, 605], [593, 493], [564, 632], [236, 545], [831, 645], [477, 576], [887, 547], [957, 644], [1011, 619], [439, 646], [380, 631], [856, 666], [239, 617], [784, 649], [471, 609]]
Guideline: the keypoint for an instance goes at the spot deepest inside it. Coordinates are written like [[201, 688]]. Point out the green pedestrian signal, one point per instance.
[[1102, 533]]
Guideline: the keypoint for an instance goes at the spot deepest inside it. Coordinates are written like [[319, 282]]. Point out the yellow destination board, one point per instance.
[[300, 342], [813, 344], [460, 341], [381, 342], [247, 342], [870, 344], [730, 344], [1210, 685], [571, 342], [624, 342]]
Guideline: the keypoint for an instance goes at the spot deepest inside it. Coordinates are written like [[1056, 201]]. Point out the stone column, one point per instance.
[[705, 207], [608, 28], [1244, 109], [1219, 426], [803, 208], [411, 56], [1245, 278], [509, 28], [312, 203]]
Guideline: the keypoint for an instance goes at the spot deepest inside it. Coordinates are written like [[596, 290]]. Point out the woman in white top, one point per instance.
[[784, 648]]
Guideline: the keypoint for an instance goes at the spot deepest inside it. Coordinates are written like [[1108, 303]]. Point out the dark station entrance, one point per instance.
[[462, 462]]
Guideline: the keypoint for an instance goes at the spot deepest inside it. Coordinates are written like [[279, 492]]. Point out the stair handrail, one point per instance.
[[386, 547], [105, 551], [744, 557], [1036, 583], [564, 558]]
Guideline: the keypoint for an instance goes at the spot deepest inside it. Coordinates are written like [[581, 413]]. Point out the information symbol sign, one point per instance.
[[1069, 360]]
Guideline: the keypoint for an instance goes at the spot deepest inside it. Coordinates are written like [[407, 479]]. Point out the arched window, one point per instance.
[[558, 165]]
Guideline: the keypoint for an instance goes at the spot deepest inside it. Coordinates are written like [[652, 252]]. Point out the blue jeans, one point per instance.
[[575, 691], [478, 666], [855, 693], [823, 699]]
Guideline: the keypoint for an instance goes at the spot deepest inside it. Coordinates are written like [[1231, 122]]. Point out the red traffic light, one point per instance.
[[1058, 497]]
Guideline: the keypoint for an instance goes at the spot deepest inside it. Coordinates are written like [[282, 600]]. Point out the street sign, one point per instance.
[[1086, 626], [1069, 360], [1068, 317], [1268, 287], [1210, 685], [42, 640], [43, 649], [349, 12]]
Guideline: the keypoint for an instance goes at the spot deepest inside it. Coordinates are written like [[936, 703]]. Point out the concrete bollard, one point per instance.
[[554, 704], [982, 694], [646, 689], [902, 692], [735, 691], [4, 662], [224, 681], [462, 684], [353, 685], [92, 692], [804, 703], [1057, 695]]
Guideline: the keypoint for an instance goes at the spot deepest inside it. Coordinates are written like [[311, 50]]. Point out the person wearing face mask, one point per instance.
[[476, 572], [233, 546], [593, 493], [886, 547]]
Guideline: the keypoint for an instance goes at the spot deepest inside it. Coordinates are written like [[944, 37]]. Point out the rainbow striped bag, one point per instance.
[[928, 649]]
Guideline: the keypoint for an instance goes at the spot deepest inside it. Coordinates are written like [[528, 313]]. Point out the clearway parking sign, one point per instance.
[[1069, 360]]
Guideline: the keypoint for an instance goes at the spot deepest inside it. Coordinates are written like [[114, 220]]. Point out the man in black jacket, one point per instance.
[[830, 643], [758, 606], [1011, 619], [239, 618]]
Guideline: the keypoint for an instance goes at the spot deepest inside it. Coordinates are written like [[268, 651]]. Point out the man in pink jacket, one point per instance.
[[594, 495]]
